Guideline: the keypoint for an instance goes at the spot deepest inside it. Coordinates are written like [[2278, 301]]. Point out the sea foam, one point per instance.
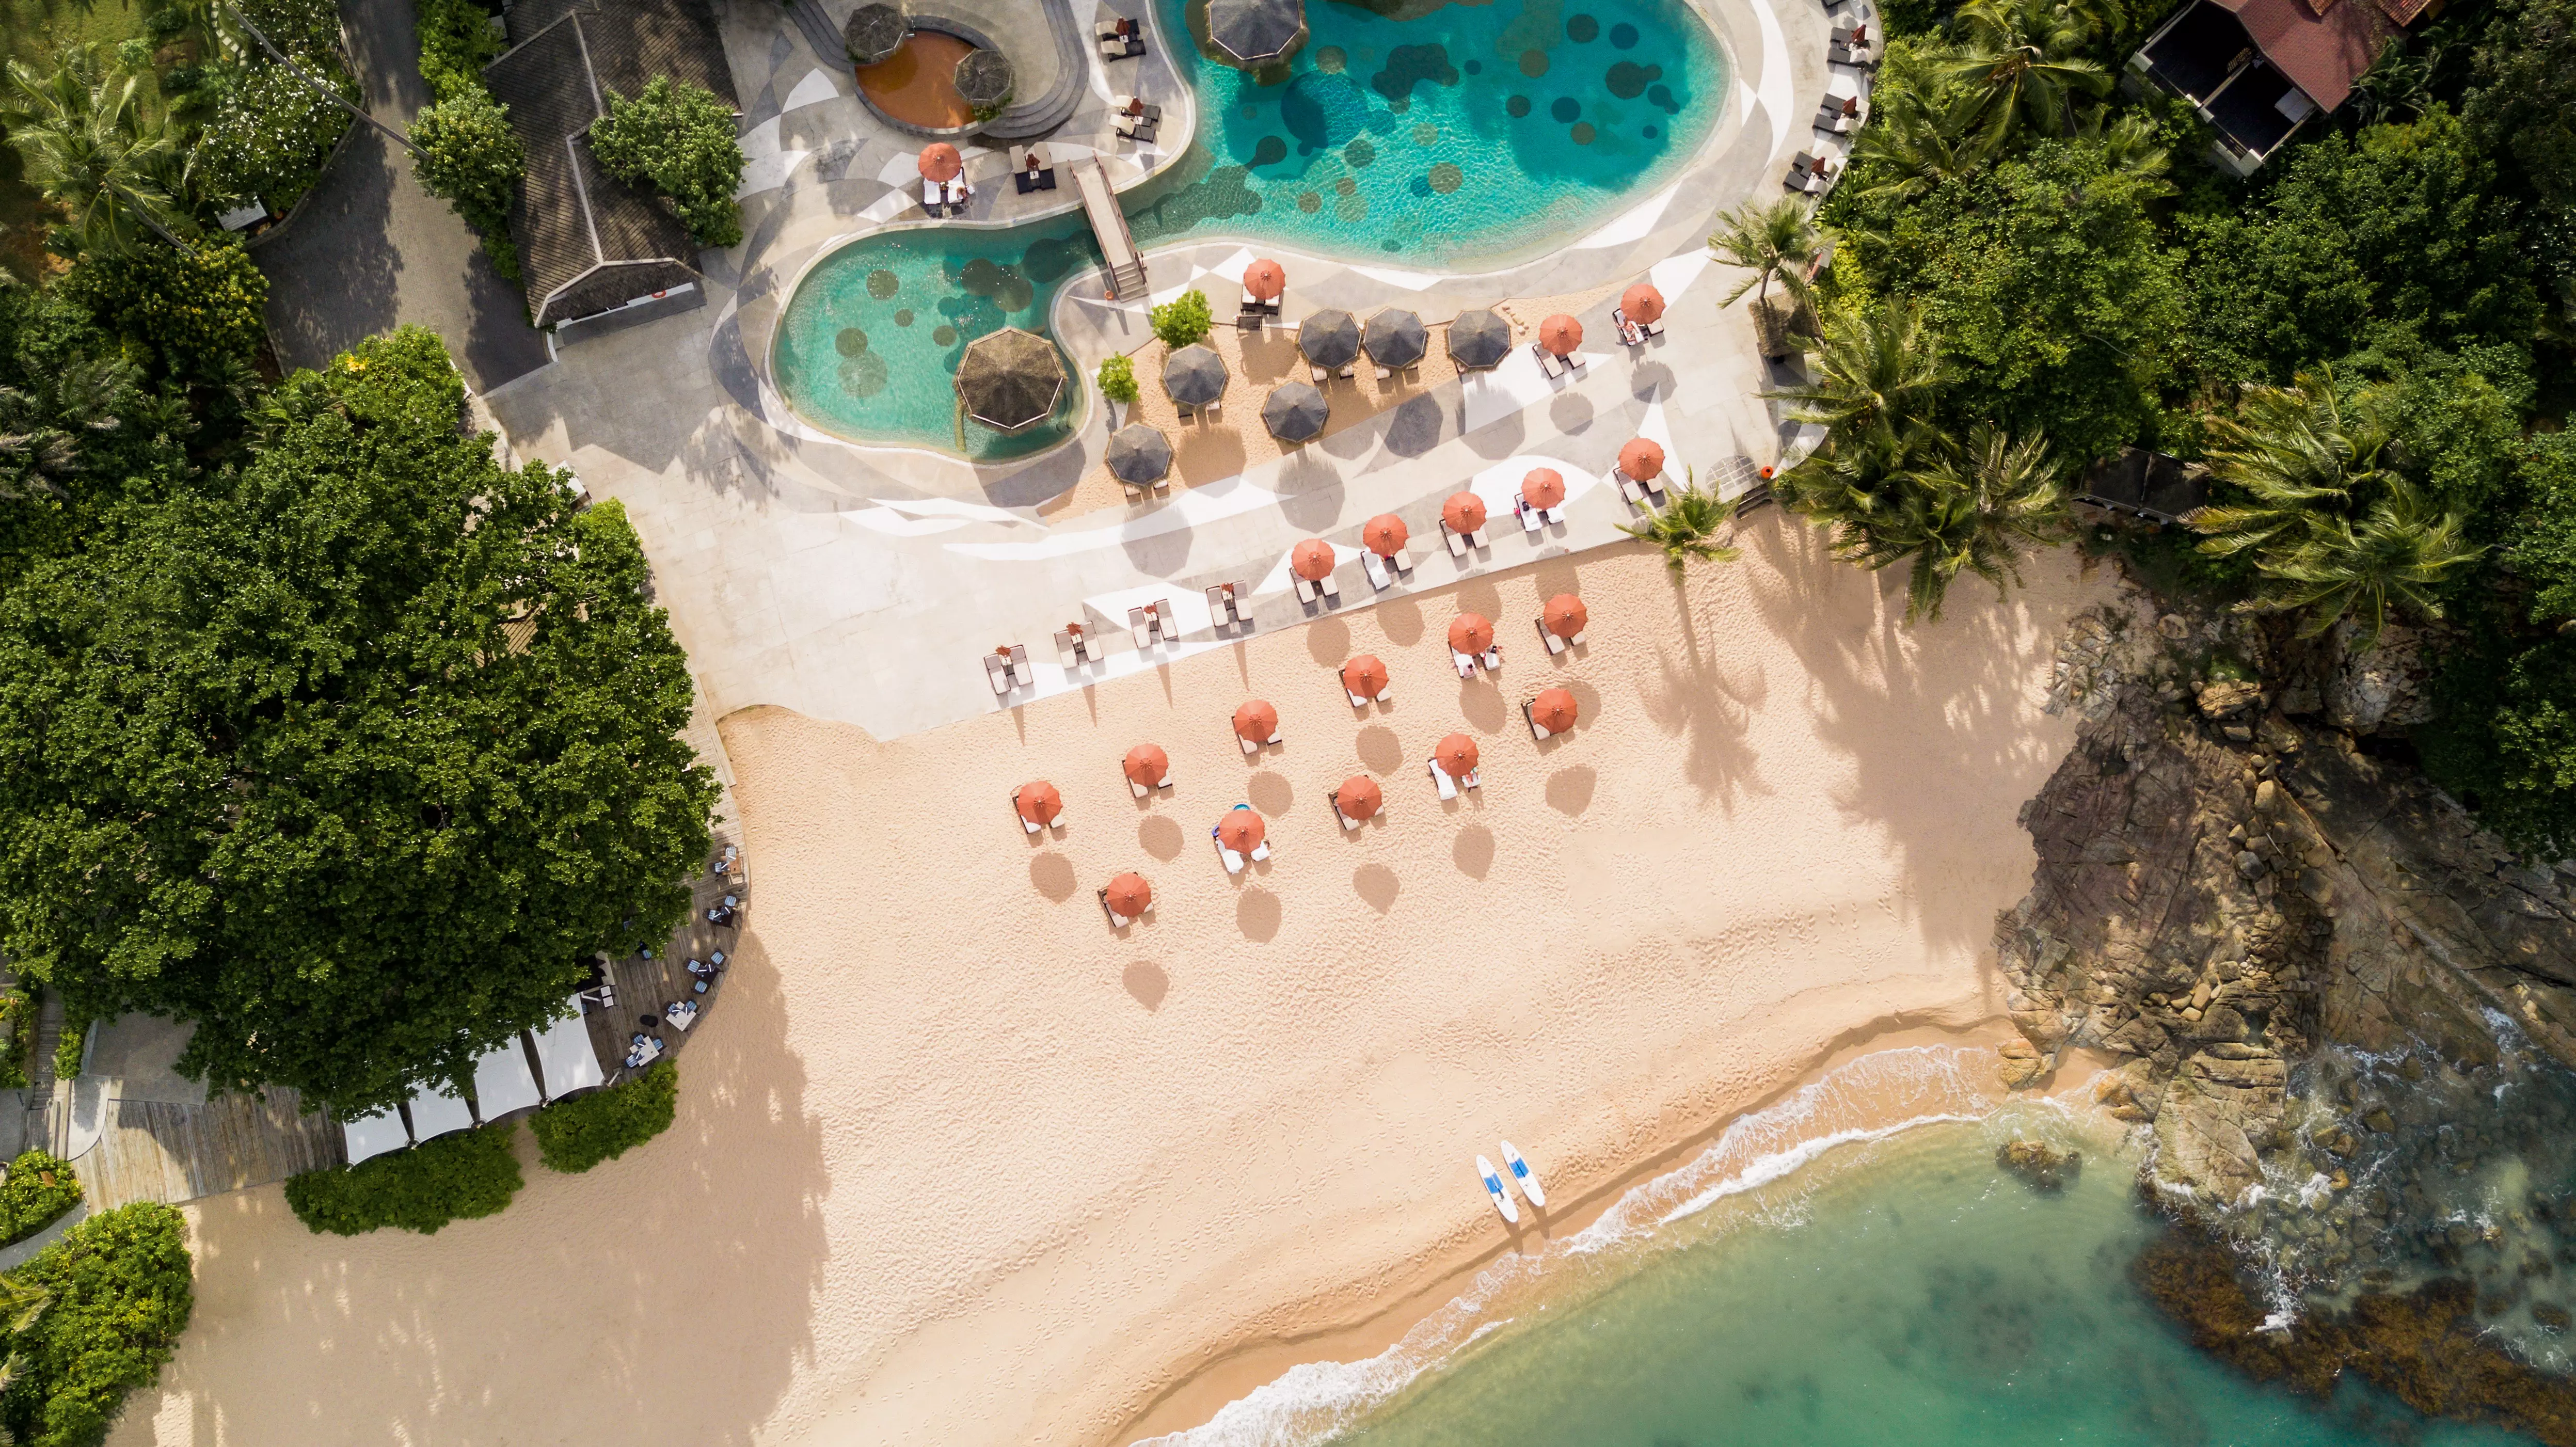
[[1871, 1098]]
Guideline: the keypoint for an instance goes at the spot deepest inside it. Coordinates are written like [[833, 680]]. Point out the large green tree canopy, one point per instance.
[[351, 757]]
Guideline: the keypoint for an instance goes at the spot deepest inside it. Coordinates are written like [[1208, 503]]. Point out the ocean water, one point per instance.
[[1810, 1281], [1456, 140]]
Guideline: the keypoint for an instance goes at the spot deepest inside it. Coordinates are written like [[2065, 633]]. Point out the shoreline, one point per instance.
[[1235, 1371]]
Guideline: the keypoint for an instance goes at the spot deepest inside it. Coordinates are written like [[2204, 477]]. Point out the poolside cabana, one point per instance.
[[1295, 412], [1194, 376], [1395, 339], [1139, 456], [1010, 380], [1479, 339], [1253, 32], [1330, 339], [873, 33]]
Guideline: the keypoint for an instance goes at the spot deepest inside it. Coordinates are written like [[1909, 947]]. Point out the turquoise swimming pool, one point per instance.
[[1426, 135]]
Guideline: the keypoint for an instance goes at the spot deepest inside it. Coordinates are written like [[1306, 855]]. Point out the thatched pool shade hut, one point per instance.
[[1330, 338], [1295, 412], [1139, 454], [874, 33], [1010, 379], [984, 81], [1256, 31], [1479, 339], [1395, 338], [1194, 376]]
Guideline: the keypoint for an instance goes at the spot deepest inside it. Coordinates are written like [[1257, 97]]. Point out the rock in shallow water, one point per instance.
[[2045, 1167]]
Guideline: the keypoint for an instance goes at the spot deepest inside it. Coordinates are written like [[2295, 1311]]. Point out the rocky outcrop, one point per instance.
[[2222, 886], [2044, 1166]]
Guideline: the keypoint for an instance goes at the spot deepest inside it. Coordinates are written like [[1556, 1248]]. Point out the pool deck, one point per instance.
[[862, 583]]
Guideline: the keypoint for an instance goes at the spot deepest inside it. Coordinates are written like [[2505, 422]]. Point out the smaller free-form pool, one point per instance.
[[918, 83], [1436, 136]]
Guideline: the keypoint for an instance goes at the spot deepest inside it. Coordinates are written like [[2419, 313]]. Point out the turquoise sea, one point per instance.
[[1456, 140], [1823, 1285]]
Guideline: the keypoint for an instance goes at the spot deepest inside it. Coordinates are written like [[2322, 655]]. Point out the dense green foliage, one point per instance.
[[577, 1134], [80, 436], [17, 1037], [84, 142], [38, 1190], [266, 131], [470, 157], [276, 761], [2544, 549], [1182, 321], [196, 310], [1118, 379], [456, 1177], [115, 1295], [456, 42], [679, 139]]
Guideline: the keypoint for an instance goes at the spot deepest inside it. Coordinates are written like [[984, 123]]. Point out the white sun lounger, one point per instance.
[[1021, 672], [1362, 701], [1330, 587], [1440, 780], [1537, 731], [1140, 628], [1379, 576], [998, 672], [1348, 823], [1233, 861], [1140, 791], [1554, 643], [1307, 592], [1457, 540], [1116, 920], [1466, 663], [1250, 747]]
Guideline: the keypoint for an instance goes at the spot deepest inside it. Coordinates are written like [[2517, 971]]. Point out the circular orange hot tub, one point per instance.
[[917, 84]]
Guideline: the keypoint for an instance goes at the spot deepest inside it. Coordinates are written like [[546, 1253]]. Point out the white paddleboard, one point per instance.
[[1522, 1175], [1494, 1188]]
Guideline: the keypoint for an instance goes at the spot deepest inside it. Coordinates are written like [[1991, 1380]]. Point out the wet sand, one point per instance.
[[957, 1163]]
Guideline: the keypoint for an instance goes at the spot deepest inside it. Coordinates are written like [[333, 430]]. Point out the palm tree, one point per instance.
[[1686, 529], [2398, 551], [2022, 63], [2290, 450], [22, 1303], [1973, 510], [89, 150], [1779, 240], [2305, 460], [1911, 154], [1877, 375], [2131, 151]]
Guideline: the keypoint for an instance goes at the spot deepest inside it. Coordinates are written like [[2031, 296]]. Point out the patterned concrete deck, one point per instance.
[[862, 583]]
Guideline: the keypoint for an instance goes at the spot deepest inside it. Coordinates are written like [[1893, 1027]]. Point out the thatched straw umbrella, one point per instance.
[[1010, 379], [1330, 339], [984, 80], [1395, 338], [874, 33], [1139, 454], [1194, 376], [1255, 31], [1295, 412], [1479, 339]]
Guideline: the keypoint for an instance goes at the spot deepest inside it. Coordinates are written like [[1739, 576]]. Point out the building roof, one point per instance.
[[2322, 54], [574, 220]]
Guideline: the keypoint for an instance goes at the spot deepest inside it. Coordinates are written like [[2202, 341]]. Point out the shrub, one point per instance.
[[197, 311], [267, 134], [1183, 320], [577, 1134], [120, 1296], [2545, 552], [679, 139], [1118, 380], [17, 1037], [39, 1189], [455, 1177], [456, 40], [471, 158]]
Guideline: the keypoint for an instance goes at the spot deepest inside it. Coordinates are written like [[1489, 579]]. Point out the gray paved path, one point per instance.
[[372, 250]]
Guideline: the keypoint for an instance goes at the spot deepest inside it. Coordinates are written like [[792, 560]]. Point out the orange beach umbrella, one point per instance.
[[1265, 279], [1256, 721], [1554, 709], [1365, 676], [1385, 535], [1359, 797], [940, 162], [1641, 458], [1470, 633], [1642, 303], [1130, 895], [1560, 334], [1565, 615], [1039, 802], [1544, 487], [1147, 764], [1464, 512], [1240, 830], [1312, 560], [1456, 755]]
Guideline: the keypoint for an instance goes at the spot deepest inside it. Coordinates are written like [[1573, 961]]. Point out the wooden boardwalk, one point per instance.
[[155, 1151]]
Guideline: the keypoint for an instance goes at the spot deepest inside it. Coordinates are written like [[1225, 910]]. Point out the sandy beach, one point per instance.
[[957, 1163]]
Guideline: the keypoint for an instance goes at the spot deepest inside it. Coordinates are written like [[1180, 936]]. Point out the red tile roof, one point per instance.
[[2321, 54]]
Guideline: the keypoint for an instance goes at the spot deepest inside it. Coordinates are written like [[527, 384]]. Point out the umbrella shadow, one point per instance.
[[1377, 886], [1473, 851], [1148, 983], [1257, 914]]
